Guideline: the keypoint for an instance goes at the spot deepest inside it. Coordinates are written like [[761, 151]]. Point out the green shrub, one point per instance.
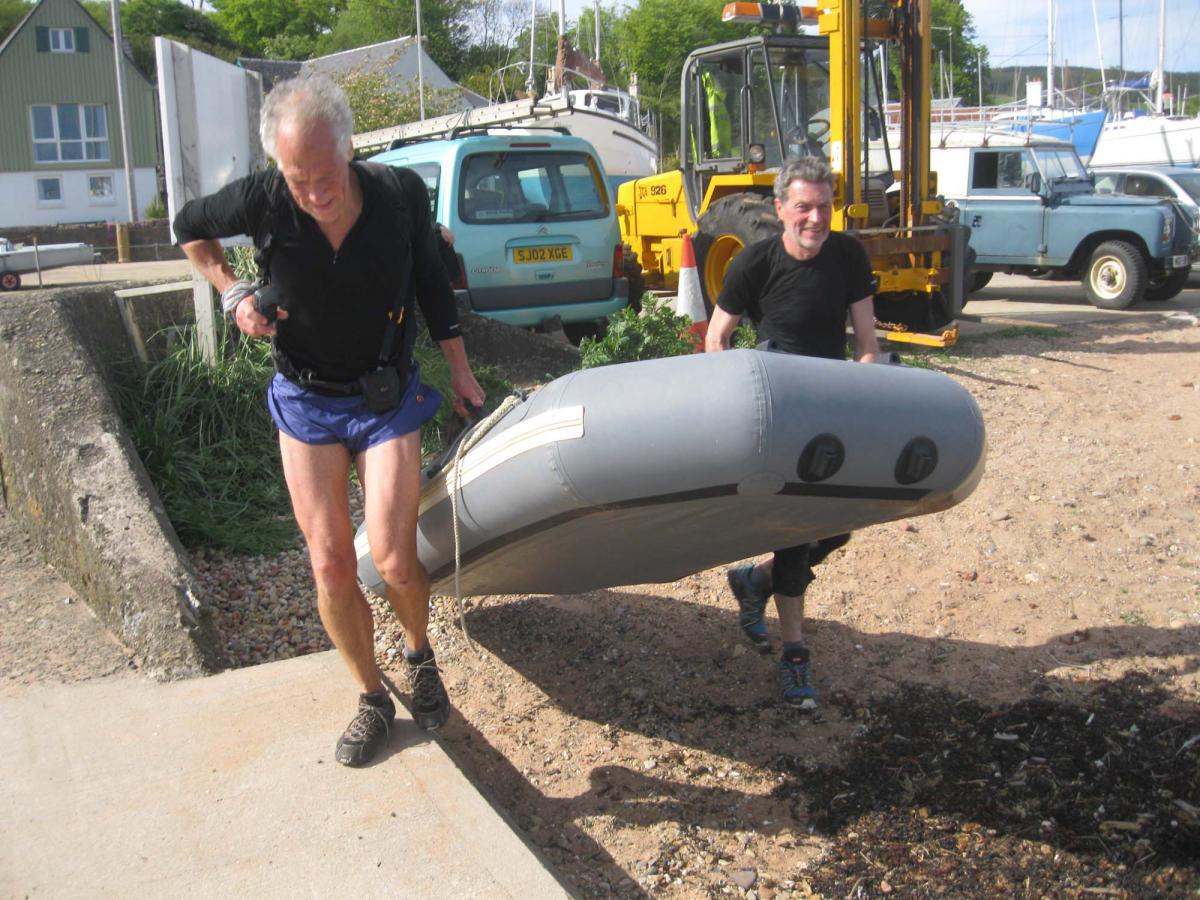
[[156, 209], [656, 333]]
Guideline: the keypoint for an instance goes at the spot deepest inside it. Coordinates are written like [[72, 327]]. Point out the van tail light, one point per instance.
[[618, 262], [459, 281]]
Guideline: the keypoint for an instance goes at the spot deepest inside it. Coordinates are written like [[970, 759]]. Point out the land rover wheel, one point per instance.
[[1116, 276], [1168, 286], [10, 281], [730, 225]]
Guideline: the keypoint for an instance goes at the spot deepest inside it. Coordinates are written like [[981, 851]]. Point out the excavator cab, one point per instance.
[[749, 105]]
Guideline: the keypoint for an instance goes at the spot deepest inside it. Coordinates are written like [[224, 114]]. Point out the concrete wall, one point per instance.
[[71, 477]]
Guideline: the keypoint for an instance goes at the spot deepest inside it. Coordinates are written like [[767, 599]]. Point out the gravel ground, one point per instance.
[[1010, 689]]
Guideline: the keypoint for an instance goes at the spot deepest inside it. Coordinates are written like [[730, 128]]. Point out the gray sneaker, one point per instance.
[[430, 703], [368, 731]]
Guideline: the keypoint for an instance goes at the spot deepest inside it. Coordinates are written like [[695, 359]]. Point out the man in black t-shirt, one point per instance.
[[344, 246], [797, 289]]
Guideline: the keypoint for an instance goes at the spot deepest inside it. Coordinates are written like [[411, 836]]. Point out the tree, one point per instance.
[[655, 38], [494, 29], [11, 14], [143, 20], [444, 28], [954, 37], [278, 29], [376, 104]]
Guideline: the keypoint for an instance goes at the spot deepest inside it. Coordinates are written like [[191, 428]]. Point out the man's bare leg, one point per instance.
[[316, 477], [391, 476]]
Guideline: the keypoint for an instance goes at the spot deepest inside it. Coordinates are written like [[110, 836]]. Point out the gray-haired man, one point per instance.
[[337, 240]]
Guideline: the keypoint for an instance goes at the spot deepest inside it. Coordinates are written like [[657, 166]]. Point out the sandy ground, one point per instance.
[[636, 739]]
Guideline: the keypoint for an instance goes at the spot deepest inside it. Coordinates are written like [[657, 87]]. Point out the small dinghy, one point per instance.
[[650, 471]]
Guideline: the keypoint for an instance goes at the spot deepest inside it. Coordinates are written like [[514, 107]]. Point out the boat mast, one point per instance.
[[420, 70], [596, 6], [1162, 46], [530, 83], [1050, 54], [1099, 49]]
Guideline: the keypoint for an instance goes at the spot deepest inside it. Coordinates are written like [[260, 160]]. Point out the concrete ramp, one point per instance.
[[227, 787]]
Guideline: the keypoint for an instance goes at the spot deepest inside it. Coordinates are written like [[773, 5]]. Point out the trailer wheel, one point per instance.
[[1116, 276], [637, 281], [1167, 287], [10, 281], [730, 225]]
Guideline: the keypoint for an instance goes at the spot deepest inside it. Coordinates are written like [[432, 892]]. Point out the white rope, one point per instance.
[[454, 485]]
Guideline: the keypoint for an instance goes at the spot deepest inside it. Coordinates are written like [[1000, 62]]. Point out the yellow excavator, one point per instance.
[[813, 87]]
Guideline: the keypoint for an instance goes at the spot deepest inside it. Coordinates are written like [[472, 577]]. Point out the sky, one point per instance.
[[1014, 31]]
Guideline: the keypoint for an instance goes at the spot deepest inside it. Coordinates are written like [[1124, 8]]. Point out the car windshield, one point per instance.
[[1060, 164], [531, 186], [1190, 182]]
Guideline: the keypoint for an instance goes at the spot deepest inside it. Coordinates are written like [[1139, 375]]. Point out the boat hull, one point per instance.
[[1148, 141], [48, 256], [647, 472], [624, 151]]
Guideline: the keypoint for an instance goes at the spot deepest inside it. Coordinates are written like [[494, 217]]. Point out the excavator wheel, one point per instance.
[[729, 225]]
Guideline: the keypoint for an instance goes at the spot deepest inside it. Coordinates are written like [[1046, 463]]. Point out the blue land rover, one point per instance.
[[1033, 210]]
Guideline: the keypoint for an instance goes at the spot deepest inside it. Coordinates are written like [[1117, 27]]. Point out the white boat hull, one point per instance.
[[625, 152], [1148, 141], [48, 256]]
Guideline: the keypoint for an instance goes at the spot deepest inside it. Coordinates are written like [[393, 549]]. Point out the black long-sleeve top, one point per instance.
[[337, 302]]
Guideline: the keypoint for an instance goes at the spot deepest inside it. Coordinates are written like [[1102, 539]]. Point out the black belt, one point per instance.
[[304, 378]]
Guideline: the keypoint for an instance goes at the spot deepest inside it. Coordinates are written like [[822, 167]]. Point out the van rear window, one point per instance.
[[531, 186]]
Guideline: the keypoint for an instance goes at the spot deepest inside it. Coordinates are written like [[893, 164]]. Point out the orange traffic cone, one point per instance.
[[689, 301]]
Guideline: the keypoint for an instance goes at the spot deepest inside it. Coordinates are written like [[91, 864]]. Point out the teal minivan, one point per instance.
[[534, 223]]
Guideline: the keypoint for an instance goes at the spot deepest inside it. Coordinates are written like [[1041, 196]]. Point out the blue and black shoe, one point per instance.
[[795, 680], [752, 604]]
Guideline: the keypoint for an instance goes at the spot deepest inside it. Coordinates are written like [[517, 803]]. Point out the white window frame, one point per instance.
[[86, 140], [62, 40], [37, 190], [108, 199]]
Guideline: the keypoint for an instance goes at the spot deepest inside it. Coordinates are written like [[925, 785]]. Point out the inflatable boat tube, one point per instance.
[[646, 472]]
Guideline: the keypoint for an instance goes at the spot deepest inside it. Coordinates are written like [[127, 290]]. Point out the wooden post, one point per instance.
[[206, 320], [123, 243]]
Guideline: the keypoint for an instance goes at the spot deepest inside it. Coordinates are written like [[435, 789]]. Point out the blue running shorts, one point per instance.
[[313, 418]]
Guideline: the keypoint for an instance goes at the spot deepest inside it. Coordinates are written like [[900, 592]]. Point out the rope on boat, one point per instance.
[[454, 486]]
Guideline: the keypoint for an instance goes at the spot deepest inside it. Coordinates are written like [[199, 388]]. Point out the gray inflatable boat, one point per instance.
[[646, 472]]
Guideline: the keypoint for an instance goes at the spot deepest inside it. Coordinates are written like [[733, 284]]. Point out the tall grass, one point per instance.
[[209, 445]]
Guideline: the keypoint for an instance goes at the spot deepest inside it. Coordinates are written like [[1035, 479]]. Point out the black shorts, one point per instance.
[[793, 569]]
